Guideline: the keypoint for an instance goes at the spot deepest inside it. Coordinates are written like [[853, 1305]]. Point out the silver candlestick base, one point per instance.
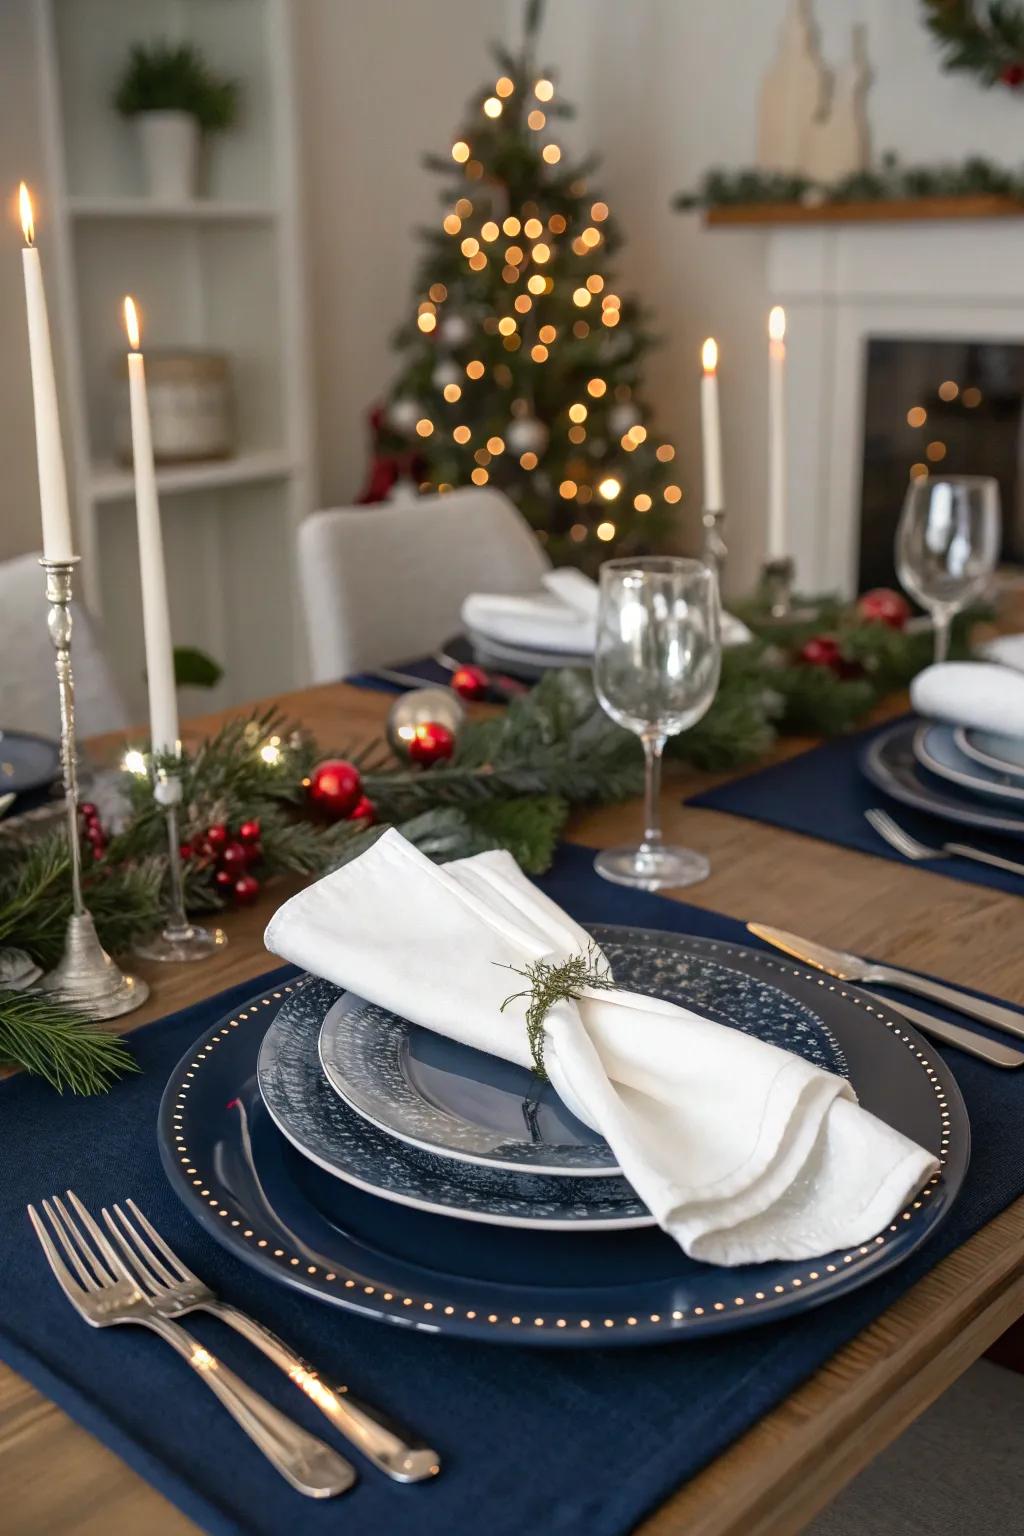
[[181, 941], [712, 549], [86, 978], [775, 590]]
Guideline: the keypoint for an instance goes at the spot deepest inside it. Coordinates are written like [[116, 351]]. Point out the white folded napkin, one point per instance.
[[1007, 649], [981, 694], [742, 1151], [561, 618]]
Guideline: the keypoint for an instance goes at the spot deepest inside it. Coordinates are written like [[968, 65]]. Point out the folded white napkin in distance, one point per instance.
[[561, 618], [980, 694], [742, 1151]]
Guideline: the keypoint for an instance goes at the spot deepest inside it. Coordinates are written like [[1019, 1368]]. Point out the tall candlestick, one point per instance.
[[53, 487], [710, 428], [777, 433], [156, 618]]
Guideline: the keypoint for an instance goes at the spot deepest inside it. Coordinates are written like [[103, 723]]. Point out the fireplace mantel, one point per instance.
[[840, 284]]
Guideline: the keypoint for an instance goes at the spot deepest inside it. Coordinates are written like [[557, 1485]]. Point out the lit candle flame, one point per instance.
[[709, 355], [131, 323], [777, 323], [27, 221]]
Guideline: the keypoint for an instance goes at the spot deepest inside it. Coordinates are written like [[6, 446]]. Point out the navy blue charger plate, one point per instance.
[[281, 1214], [27, 762]]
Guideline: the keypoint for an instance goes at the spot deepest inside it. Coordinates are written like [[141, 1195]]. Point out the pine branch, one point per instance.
[[551, 984], [66, 1049]]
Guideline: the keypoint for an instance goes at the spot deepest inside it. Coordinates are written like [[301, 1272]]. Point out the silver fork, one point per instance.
[[174, 1290], [897, 837], [105, 1294]]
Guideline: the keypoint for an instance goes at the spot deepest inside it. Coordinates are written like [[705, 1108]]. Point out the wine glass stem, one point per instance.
[[652, 790], [942, 627]]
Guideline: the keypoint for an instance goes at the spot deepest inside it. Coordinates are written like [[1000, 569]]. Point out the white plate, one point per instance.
[[1001, 754]]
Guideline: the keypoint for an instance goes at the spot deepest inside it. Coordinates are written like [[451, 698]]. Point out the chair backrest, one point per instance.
[[28, 683], [384, 584]]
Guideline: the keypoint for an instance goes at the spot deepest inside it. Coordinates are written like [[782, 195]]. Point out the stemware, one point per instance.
[[656, 670], [947, 544]]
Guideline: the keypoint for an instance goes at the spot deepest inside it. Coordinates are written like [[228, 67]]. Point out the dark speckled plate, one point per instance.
[[275, 1210], [443, 1097]]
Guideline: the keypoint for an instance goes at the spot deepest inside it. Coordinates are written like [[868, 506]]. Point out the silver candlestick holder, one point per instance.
[[776, 592], [180, 941], [85, 977], [712, 549]]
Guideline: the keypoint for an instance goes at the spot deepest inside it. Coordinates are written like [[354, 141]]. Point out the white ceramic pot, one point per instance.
[[169, 142]]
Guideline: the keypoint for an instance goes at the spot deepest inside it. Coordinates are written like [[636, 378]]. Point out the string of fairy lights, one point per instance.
[[523, 246]]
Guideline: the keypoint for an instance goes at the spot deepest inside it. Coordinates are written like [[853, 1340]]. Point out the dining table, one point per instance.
[[55, 1478]]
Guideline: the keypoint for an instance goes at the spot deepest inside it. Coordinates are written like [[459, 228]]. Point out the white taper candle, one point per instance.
[[777, 434], [156, 618], [53, 486], [711, 432]]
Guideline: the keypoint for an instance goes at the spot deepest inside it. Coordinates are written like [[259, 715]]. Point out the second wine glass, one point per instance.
[[947, 545], [656, 671]]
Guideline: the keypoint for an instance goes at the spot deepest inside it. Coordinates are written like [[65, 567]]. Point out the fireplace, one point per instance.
[[880, 318], [940, 407]]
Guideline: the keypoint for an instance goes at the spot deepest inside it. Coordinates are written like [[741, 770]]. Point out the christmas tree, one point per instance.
[[522, 362]]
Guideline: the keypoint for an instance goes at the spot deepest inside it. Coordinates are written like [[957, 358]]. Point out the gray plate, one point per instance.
[[1002, 754], [889, 763], [936, 749], [443, 1097]]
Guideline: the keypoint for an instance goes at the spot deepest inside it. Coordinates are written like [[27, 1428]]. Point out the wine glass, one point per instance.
[[656, 671], [947, 544]]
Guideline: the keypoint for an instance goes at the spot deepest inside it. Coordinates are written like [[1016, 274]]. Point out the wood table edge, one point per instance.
[[816, 1439]]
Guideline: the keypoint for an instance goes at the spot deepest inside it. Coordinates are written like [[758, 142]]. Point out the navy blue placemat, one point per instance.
[[561, 1443], [824, 794], [428, 671]]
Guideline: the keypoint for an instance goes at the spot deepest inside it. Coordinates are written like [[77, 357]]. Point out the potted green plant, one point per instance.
[[174, 97]]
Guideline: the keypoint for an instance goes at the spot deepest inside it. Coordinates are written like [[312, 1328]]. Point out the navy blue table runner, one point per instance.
[[565, 1443], [822, 793]]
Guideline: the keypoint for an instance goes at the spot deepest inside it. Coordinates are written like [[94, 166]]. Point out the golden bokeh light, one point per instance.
[[470, 246], [580, 329], [463, 207], [578, 533], [919, 471], [948, 389], [504, 86], [610, 487], [478, 262], [482, 456], [536, 283], [427, 322], [591, 237], [543, 90], [506, 325], [492, 106], [479, 477], [515, 254], [547, 333], [595, 282], [605, 532], [536, 120], [541, 253], [935, 451], [460, 151], [577, 412], [475, 369], [672, 493], [462, 435], [582, 297], [438, 292], [523, 303], [597, 388], [568, 489], [424, 426], [533, 228], [511, 225], [643, 502], [665, 453], [577, 435], [528, 460], [551, 153], [495, 445], [917, 416], [599, 212], [452, 224], [490, 230], [539, 354], [452, 392], [971, 396]]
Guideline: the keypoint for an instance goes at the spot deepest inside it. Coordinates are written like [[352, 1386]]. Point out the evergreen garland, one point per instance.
[[889, 181]]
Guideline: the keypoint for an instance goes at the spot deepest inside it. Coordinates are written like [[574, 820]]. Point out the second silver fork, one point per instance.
[[912, 848], [173, 1290]]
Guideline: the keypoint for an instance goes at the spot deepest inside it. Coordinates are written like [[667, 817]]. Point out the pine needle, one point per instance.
[[65, 1048], [551, 984]]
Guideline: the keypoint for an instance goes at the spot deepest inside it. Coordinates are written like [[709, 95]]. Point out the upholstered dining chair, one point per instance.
[[28, 687], [384, 584]]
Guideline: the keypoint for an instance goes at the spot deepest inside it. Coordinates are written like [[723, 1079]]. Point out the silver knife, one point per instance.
[[847, 967]]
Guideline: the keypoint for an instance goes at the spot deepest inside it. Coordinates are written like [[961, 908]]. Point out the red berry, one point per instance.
[[363, 810], [215, 837], [470, 682], [253, 853], [224, 881], [234, 858], [249, 831], [1012, 75], [88, 811], [883, 606], [821, 651], [186, 851], [334, 787], [247, 888], [432, 743]]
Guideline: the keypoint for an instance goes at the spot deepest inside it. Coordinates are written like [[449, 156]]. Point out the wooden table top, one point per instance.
[[56, 1479]]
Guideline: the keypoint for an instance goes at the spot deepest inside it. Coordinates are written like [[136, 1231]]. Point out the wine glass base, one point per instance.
[[650, 868], [173, 947]]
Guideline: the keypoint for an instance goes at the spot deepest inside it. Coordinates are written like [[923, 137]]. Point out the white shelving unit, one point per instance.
[[221, 271]]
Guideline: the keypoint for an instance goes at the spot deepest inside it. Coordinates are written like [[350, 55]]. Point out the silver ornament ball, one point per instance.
[[527, 435], [454, 330], [446, 372], [623, 416], [422, 706], [403, 414]]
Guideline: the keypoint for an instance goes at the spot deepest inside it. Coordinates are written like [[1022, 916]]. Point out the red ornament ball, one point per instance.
[[249, 831], [334, 787], [246, 888], [253, 853], [363, 810], [884, 606], [215, 838], [432, 743], [1012, 75], [470, 682], [224, 881], [235, 859], [822, 651], [88, 811]]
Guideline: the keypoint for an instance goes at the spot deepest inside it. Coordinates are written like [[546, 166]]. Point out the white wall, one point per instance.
[[665, 89], [20, 157]]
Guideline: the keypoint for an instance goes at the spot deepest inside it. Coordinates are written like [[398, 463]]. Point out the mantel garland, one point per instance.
[[889, 181], [510, 784]]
